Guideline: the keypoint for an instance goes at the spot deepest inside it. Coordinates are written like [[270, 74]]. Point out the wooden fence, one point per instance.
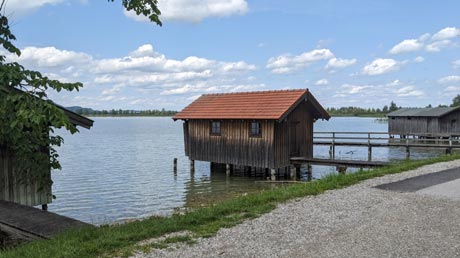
[[383, 139]]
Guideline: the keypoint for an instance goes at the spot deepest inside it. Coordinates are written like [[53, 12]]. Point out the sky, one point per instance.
[[347, 53]]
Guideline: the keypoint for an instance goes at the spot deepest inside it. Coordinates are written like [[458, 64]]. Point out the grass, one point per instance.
[[122, 240]]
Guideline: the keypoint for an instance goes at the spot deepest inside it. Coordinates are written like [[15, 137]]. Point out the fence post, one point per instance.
[[333, 146], [369, 147], [407, 149]]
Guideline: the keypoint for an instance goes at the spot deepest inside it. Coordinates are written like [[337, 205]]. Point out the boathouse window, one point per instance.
[[215, 128], [256, 129], [452, 122]]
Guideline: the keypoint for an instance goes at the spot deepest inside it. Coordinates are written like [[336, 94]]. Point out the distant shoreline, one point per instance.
[[341, 115]]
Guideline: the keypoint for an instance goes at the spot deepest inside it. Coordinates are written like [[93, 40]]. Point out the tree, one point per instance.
[[28, 117], [393, 107], [456, 101], [385, 109]]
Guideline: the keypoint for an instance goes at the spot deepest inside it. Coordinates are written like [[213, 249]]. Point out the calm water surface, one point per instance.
[[122, 169]]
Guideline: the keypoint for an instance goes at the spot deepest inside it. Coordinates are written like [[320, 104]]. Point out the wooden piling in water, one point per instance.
[[228, 169], [273, 174], [175, 166], [192, 166], [293, 173]]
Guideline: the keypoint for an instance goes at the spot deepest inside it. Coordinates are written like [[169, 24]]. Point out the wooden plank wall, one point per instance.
[[450, 124], [234, 145], [303, 118], [13, 191]]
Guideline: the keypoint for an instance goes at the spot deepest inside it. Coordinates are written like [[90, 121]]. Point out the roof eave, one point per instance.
[[307, 96]]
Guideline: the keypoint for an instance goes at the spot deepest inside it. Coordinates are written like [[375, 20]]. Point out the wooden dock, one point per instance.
[[382, 139], [29, 223], [338, 162]]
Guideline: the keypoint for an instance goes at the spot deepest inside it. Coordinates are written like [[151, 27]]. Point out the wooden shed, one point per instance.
[[256, 129], [425, 122], [28, 193]]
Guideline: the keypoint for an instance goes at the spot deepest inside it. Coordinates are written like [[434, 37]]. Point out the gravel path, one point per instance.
[[358, 221]]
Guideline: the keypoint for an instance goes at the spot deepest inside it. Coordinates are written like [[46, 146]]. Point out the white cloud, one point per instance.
[[53, 57], [455, 89], [419, 59], [449, 79], [456, 64], [446, 33], [381, 66], [143, 72], [439, 45], [354, 89], [322, 82], [20, 7], [339, 63], [407, 45], [288, 63], [369, 93], [409, 91], [195, 10], [441, 39]]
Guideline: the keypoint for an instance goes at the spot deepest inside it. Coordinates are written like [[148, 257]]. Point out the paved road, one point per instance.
[[357, 221]]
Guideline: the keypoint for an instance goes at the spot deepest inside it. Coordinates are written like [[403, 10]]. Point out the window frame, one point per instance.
[[212, 127], [259, 127]]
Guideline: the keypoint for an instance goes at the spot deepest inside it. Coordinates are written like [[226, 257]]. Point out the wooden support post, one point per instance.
[[333, 146], [192, 166], [407, 152], [297, 171], [309, 172], [341, 169], [449, 150], [293, 173], [175, 166], [273, 174], [228, 169], [45, 207], [369, 153]]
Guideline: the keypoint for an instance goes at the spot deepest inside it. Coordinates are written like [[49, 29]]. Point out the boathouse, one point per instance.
[[425, 122], [261, 129], [29, 193]]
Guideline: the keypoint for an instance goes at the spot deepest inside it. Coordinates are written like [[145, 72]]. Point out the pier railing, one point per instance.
[[384, 139]]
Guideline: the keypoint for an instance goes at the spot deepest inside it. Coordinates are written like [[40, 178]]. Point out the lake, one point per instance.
[[122, 169]]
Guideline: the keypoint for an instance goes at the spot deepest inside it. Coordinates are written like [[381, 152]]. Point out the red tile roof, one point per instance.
[[272, 105]]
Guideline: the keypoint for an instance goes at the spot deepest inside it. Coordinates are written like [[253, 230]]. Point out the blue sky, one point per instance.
[[348, 53]]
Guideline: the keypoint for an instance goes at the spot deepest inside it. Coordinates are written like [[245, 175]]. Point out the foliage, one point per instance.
[[456, 101], [122, 240], [147, 8], [28, 116], [357, 111]]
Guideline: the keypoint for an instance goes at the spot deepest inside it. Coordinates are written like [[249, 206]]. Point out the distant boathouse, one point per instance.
[[253, 129], [425, 122]]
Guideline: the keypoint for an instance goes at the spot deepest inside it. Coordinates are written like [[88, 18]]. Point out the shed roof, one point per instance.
[[74, 118], [423, 112], [271, 105]]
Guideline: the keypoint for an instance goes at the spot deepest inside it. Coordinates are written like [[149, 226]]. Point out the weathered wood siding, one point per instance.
[[14, 191], [234, 145], [291, 142], [448, 124]]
